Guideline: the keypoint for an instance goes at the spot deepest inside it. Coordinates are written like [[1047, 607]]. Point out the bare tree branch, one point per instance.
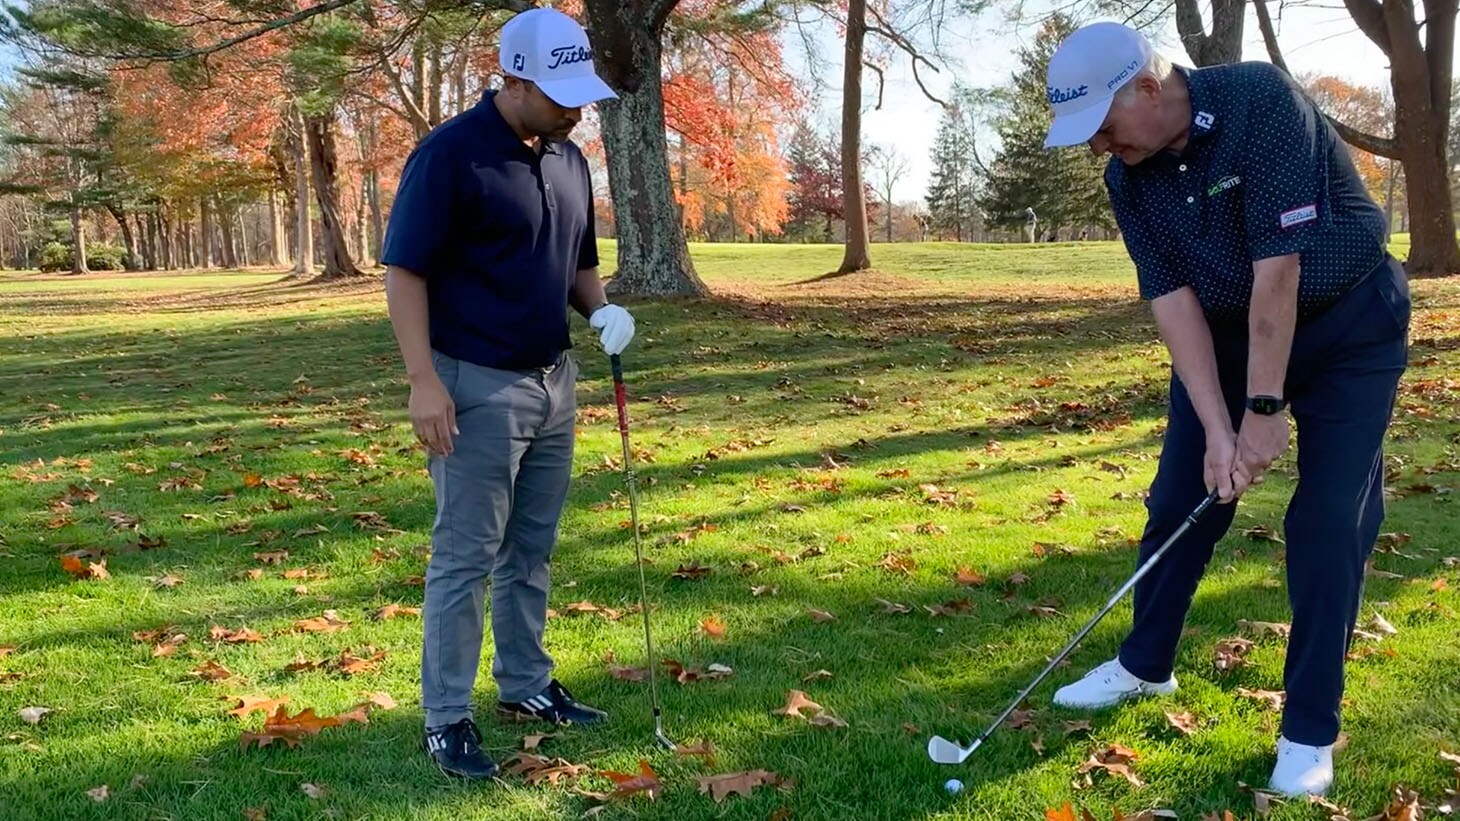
[[1369, 16], [885, 31], [1379, 146], [880, 79]]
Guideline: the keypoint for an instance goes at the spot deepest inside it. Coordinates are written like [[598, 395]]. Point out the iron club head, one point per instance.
[[663, 740], [943, 751]]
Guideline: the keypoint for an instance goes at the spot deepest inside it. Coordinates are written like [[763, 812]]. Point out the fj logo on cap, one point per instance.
[[519, 62], [567, 55]]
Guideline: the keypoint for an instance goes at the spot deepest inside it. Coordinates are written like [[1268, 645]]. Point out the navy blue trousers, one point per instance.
[[1342, 378]]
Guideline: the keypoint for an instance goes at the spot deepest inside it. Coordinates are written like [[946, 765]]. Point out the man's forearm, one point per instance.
[[1270, 324], [1184, 328], [587, 292], [405, 300]]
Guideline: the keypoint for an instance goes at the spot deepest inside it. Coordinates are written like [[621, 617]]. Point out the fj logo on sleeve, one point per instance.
[[1204, 120], [1298, 216]]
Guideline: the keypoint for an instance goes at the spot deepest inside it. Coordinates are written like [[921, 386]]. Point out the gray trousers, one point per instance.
[[499, 496]]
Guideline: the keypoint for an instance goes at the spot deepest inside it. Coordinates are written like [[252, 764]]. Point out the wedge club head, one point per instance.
[[943, 751]]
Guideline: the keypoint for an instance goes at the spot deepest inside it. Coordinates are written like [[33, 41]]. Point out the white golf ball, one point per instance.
[[953, 786]]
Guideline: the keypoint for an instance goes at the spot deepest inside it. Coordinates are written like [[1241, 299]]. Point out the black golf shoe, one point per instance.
[[457, 749], [554, 704]]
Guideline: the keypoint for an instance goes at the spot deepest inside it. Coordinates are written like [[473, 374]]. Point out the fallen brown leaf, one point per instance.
[[390, 611], [1114, 759], [720, 787], [646, 781], [1230, 653], [796, 701], [1184, 722], [249, 704]]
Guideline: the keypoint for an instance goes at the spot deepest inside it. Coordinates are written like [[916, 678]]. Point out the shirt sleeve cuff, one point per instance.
[[1280, 245]]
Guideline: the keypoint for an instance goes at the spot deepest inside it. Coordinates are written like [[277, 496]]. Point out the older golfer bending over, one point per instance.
[[1265, 264]]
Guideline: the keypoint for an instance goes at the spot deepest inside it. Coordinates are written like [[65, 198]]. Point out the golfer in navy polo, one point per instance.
[[1265, 264], [491, 240]]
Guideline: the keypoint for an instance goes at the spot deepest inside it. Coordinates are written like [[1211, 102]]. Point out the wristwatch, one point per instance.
[[1265, 405]]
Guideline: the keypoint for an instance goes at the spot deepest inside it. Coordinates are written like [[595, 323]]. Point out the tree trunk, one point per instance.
[[132, 260], [303, 237], [278, 234], [225, 226], [1389, 197], [854, 202], [144, 240], [372, 193], [78, 242], [164, 241], [434, 79], [323, 163], [245, 257], [206, 209], [1420, 77], [1224, 44], [653, 258]]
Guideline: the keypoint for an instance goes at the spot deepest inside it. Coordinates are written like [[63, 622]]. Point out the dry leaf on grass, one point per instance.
[[625, 786], [1184, 722], [536, 769], [796, 701], [705, 749], [1259, 629], [720, 787], [211, 671], [1273, 698], [392, 611], [33, 715], [1114, 759], [329, 622], [1231, 653], [84, 570], [250, 704]]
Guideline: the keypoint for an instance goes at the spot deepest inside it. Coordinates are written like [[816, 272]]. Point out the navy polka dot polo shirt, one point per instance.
[[1263, 174]]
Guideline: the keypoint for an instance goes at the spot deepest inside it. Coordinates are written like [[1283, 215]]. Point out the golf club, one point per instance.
[[623, 429], [943, 751]]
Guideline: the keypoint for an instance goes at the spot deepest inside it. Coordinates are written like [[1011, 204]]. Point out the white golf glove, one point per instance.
[[617, 326]]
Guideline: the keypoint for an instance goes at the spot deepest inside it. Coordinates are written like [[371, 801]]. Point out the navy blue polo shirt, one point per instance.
[[1263, 174], [499, 232]]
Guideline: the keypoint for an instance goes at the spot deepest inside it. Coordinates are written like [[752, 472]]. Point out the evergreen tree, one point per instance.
[[952, 191], [1065, 187]]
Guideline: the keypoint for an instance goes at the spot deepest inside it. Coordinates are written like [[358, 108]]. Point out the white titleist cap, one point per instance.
[[1084, 74], [549, 48]]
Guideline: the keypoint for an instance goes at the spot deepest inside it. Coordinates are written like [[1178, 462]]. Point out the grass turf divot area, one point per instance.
[[898, 493]]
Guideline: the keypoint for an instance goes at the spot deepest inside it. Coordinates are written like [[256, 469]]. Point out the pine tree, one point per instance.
[[952, 191], [1065, 187]]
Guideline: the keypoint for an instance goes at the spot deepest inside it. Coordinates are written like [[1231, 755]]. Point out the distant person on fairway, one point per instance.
[[1265, 263], [490, 241]]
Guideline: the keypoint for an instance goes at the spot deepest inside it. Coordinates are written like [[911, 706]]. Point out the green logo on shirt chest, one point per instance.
[[1226, 183]]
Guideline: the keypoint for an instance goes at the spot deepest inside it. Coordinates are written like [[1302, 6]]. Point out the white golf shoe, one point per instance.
[[1107, 685], [1302, 770]]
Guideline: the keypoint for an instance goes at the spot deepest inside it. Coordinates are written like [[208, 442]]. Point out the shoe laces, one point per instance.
[[1302, 753], [560, 695], [465, 734]]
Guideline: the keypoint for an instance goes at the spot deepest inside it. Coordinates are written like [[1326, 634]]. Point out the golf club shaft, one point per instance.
[[623, 429], [1119, 594]]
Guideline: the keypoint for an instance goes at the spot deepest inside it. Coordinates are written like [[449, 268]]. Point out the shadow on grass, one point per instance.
[[885, 669]]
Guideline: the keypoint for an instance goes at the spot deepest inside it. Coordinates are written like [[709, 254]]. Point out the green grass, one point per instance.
[[775, 420]]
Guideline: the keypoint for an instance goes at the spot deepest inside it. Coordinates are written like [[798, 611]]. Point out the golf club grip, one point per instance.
[[1109, 605]]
